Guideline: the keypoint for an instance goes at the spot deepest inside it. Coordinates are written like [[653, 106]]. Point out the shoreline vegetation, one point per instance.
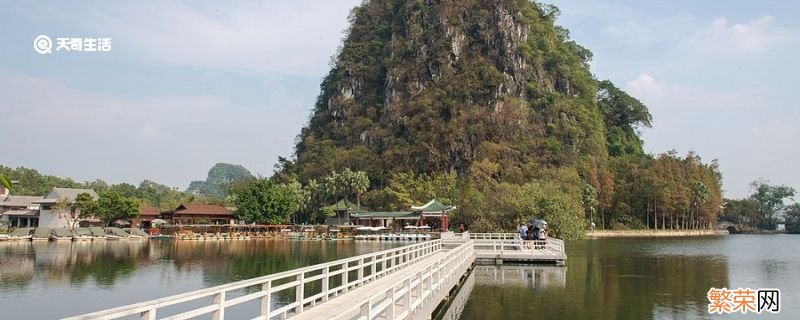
[[598, 234]]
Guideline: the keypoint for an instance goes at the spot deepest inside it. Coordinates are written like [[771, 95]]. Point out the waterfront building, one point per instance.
[[343, 209], [19, 211], [147, 214], [433, 214], [191, 214], [50, 218]]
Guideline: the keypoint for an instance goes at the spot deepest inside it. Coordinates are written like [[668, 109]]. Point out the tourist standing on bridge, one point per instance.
[[523, 231]]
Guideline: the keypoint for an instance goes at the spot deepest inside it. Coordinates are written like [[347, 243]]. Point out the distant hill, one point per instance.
[[219, 179]]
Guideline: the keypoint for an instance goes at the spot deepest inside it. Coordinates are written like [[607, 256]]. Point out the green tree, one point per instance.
[[332, 189], [743, 212], [30, 182], [623, 114], [359, 183], [264, 202], [700, 196], [109, 207], [792, 218], [589, 199], [64, 208], [770, 199], [124, 189]]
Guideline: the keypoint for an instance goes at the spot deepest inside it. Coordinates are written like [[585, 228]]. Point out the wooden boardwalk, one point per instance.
[[409, 282]]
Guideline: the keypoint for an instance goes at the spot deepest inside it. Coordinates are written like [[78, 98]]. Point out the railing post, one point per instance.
[[148, 315], [385, 257], [325, 283], [266, 300], [392, 313], [374, 268], [430, 279], [407, 301], [420, 286], [365, 310], [299, 292], [219, 299], [345, 281], [360, 272]]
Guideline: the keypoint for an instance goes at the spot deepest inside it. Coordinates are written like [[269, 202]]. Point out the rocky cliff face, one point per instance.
[[476, 87]]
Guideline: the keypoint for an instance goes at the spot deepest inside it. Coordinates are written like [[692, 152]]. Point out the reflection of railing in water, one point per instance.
[[459, 302], [525, 276], [539, 277]]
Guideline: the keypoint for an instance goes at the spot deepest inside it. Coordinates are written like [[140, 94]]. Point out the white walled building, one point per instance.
[[53, 219]]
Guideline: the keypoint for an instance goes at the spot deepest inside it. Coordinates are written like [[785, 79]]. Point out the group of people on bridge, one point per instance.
[[533, 232]]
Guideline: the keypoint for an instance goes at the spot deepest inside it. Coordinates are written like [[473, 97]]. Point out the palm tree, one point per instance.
[[332, 189], [311, 197], [360, 185]]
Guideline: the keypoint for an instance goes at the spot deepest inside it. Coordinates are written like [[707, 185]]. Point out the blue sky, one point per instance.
[[188, 84]]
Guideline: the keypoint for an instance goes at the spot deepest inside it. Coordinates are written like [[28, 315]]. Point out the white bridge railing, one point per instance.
[[287, 294], [417, 295], [324, 282], [502, 242]]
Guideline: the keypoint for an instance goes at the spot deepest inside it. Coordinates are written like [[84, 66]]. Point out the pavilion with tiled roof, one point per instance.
[[432, 212], [189, 214], [147, 213]]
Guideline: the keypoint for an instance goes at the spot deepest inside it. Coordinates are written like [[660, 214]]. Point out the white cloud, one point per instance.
[[659, 94], [645, 85], [149, 132], [751, 37], [252, 38]]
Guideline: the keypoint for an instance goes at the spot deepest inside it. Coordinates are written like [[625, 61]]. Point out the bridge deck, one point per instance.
[[338, 308]]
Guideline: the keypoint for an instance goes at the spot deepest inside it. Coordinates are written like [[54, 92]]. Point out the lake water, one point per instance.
[[665, 278], [654, 278], [49, 280]]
